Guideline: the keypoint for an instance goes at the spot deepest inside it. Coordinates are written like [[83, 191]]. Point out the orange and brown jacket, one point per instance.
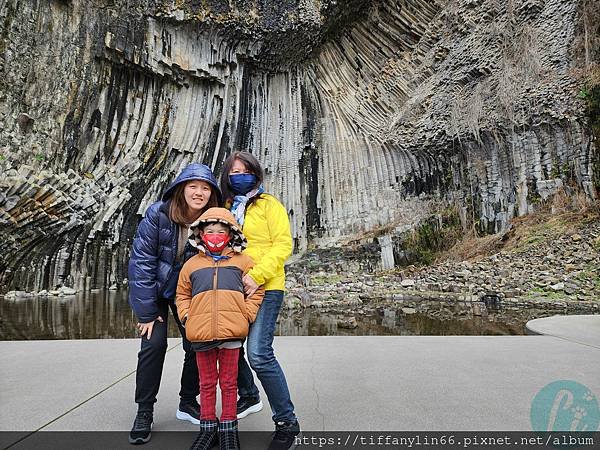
[[210, 294]]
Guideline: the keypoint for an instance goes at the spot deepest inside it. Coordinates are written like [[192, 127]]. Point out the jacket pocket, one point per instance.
[[198, 327], [240, 302]]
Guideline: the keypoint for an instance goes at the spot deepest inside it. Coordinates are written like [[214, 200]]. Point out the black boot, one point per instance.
[[228, 435], [207, 438]]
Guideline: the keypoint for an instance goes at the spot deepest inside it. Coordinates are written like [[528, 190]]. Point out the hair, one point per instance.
[[251, 164], [178, 207], [203, 225]]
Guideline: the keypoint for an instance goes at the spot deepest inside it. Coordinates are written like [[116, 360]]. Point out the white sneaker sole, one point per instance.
[[185, 416], [253, 409]]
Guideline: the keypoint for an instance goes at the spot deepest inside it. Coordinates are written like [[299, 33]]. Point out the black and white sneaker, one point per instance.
[[189, 412], [248, 405], [142, 427], [285, 434]]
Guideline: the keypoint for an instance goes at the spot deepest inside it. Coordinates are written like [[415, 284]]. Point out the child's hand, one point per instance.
[[147, 327], [250, 285]]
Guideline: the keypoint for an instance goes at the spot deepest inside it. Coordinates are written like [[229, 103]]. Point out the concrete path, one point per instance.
[[582, 329], [337, 383]]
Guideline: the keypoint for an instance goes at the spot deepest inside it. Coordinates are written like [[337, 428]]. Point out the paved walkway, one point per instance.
[[337, 383], [581, 329]]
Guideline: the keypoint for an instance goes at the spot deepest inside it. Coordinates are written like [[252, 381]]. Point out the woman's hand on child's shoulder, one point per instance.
[[250, 285]]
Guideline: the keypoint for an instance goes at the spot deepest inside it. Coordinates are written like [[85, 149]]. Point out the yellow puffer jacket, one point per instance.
[[267, 229]]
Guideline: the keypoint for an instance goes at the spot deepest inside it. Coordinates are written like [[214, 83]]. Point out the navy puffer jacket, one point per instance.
[[153, 271]]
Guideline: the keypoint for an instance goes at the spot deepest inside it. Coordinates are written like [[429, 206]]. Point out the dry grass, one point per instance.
[[561, 215], [502, 95], [521, 68], [591, 40], [577, 203], [472, 247]]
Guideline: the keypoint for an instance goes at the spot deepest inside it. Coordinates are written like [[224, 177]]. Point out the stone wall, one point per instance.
[[364, 114]]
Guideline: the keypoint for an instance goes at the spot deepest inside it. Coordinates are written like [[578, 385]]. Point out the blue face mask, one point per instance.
[[242, 183]]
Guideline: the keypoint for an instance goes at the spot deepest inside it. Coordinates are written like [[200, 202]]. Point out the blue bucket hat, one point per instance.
[[194, 171]]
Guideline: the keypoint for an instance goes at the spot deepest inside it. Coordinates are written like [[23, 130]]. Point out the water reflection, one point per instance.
[[101, 315], [107, 314], [392, 322]]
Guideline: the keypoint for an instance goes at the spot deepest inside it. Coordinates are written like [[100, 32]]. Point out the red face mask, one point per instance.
[[216, 242]]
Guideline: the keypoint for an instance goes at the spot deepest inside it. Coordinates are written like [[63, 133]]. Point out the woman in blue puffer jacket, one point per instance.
[[160, 248]]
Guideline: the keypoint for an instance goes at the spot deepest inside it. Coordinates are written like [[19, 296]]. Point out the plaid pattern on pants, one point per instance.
[[226, 375]]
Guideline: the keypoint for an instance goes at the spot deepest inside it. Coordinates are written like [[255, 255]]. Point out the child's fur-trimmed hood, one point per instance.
[[238, 240]]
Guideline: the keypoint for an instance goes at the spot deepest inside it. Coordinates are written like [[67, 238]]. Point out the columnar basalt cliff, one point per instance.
[[364, 114]]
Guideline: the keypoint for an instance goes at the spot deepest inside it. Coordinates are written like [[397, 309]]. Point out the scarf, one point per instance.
[[217, 258], [238, 209]]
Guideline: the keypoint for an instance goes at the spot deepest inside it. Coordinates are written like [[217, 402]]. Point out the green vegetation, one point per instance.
[[584, 93], [564, 169], [590, 274], [592, 99], [434, 236], [532, 194], [325, 279], [534, 234], [533, 240], [593, 108], [596, 244], [541, 292], [312, 264], [590, 94]]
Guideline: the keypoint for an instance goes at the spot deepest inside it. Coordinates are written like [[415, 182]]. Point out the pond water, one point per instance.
[[107, 314]]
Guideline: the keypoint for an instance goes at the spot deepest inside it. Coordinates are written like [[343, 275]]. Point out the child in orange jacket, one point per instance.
[[216, 314]]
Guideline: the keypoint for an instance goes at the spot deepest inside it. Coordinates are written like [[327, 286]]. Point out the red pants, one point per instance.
[[227, 378]]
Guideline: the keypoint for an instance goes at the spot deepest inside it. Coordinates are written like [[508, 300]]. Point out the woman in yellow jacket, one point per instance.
[[266, 225]]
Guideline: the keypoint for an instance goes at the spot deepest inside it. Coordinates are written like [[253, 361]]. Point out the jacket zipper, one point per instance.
[[214, 305], [174, 232]]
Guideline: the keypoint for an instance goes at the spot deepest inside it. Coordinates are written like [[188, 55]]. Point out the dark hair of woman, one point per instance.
[[251, 164], [178, 209]]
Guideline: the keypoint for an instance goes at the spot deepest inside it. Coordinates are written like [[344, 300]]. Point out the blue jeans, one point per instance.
[[263, 361]]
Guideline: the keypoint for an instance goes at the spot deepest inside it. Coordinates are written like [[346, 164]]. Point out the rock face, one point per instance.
[[363, 113], [550, 268]]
